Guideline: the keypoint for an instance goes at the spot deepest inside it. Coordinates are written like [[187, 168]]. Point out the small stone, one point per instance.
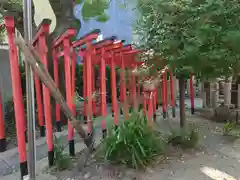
[[87, 175], [150, 170]]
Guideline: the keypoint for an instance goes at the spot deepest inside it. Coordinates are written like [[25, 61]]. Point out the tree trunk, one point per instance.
[[182, 101]]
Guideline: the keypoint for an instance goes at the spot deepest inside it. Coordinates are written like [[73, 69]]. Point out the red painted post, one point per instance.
[[172, 95], [17, 96], [150, 107], [2, 129], [164, 99], [85, 92], [64, 42], [192, 94], [89, 94], [114, 90], [74, 62], [138, 86], [56, 79], [47, 104], [39, 105], [67, 66], [144, 103], [39, 41], [123, 85], [130, 88], [39, 101], [154, 104], [166, 88], [156, 98], [94, 91], [103, 90], [134, 93]]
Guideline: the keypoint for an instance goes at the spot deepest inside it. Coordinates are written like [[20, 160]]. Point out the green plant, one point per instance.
[[227, 128], [231, 128], [184, 137], [191, 36], [61, 160], [133, 143]]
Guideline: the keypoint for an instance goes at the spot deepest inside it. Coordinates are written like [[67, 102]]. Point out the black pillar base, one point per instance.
[[164, 115], [51, 158], [157, 106], [121, 111], [173, 112], [154, 117], [112, 113], [71, 148], [130, 110], [42, 131], [59, 126], [192, 110], [85, 119], [24, 169], [3, 145], [104, 133], [26, 136]]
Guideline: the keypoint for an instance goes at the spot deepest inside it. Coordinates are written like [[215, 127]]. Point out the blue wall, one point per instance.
[[119, 24]]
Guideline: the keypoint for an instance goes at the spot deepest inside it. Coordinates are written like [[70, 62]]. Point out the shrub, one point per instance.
[[184, 137], [231, 129], [227, 128], [61, 159], [133, 143]]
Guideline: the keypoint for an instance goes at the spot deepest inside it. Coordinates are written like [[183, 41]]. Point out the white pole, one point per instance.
[[27, 13]]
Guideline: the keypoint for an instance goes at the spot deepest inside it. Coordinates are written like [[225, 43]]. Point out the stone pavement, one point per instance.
[[219, 159], [10, 166]]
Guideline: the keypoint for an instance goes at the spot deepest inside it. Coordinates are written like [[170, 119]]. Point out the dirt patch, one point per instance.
[[99, 170]]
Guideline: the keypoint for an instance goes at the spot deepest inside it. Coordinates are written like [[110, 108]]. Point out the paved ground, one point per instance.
[[219, 159], [220, 153]]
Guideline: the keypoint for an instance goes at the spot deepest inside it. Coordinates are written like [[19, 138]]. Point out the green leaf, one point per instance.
[[102, 18], [79, 1], [93, 9], [203, 35]]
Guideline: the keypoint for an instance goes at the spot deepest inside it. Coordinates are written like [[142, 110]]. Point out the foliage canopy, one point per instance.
[[201, 35]]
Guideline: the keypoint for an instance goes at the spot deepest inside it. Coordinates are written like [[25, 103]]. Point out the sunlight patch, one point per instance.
[[216, 174]]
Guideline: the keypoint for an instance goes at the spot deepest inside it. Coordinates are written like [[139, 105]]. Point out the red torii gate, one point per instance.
[[17, 95], [101, 50], [67, 53], [122, 62], [87, 72], [39, 42]]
